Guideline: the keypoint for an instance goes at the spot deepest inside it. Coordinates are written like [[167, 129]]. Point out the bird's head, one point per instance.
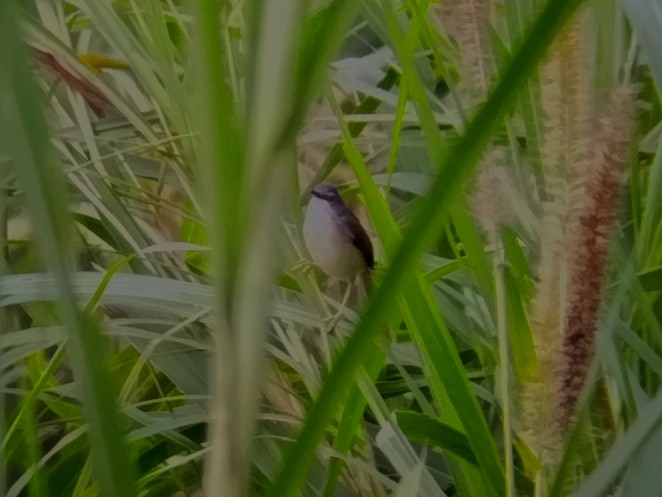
[[326, 191], [334, 235]]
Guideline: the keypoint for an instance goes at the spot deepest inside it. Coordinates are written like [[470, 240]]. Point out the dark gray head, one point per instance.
[[326, 191]]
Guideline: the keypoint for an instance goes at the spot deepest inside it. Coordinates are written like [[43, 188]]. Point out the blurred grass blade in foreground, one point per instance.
[[25, 135]]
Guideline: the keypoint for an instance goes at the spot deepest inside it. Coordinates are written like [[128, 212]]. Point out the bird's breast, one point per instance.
[[329, 246]]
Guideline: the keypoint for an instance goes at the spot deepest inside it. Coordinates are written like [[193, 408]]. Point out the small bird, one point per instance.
[[335, 238]]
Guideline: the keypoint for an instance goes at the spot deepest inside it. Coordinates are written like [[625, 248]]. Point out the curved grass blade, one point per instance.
[[429, 431]]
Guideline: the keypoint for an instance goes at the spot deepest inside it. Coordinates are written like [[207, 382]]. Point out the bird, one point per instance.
[[335, 239]]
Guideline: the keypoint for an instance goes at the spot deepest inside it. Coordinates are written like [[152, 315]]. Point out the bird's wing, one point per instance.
[[355, 233]]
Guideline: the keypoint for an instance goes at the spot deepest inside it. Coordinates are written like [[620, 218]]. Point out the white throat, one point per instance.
[[329, 244]]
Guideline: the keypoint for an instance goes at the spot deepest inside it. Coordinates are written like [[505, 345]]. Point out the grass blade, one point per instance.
[[28, 142], [650, 419]]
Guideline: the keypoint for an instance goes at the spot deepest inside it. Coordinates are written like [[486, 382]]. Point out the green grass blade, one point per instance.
[[6, 324], [433, 433], [220, 160], [350, 422], [652, 210], [367, 106], [247, 153], [452, 392], [646, 19], [24, 127], [329, 24], [649, 420], [443, 369], [424, 429]]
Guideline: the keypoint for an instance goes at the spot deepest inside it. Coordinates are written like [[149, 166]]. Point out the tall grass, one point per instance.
[[163, 332]]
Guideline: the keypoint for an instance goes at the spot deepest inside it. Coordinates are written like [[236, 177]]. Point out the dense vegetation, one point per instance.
[[163, 330]]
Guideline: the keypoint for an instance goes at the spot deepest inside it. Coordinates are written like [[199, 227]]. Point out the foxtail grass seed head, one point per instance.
[[584, 152], [467, 22], [588, 259]]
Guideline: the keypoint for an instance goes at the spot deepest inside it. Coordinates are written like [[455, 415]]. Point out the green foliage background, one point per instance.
[[161, 330]]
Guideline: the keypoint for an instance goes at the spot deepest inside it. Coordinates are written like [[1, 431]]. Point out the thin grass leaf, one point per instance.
[[643, 476], [103, 284], [366, 107], [17, 487], [449, 384], [173, 297], [27, 404], [247, 166], [646, 425], [432, 432], [651, 215], [350, 423], [329, 24], [6, 324], [24, 126], [646, 19]]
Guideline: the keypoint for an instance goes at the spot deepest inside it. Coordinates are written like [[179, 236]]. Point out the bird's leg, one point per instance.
[[303, 265], [345, 299]]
